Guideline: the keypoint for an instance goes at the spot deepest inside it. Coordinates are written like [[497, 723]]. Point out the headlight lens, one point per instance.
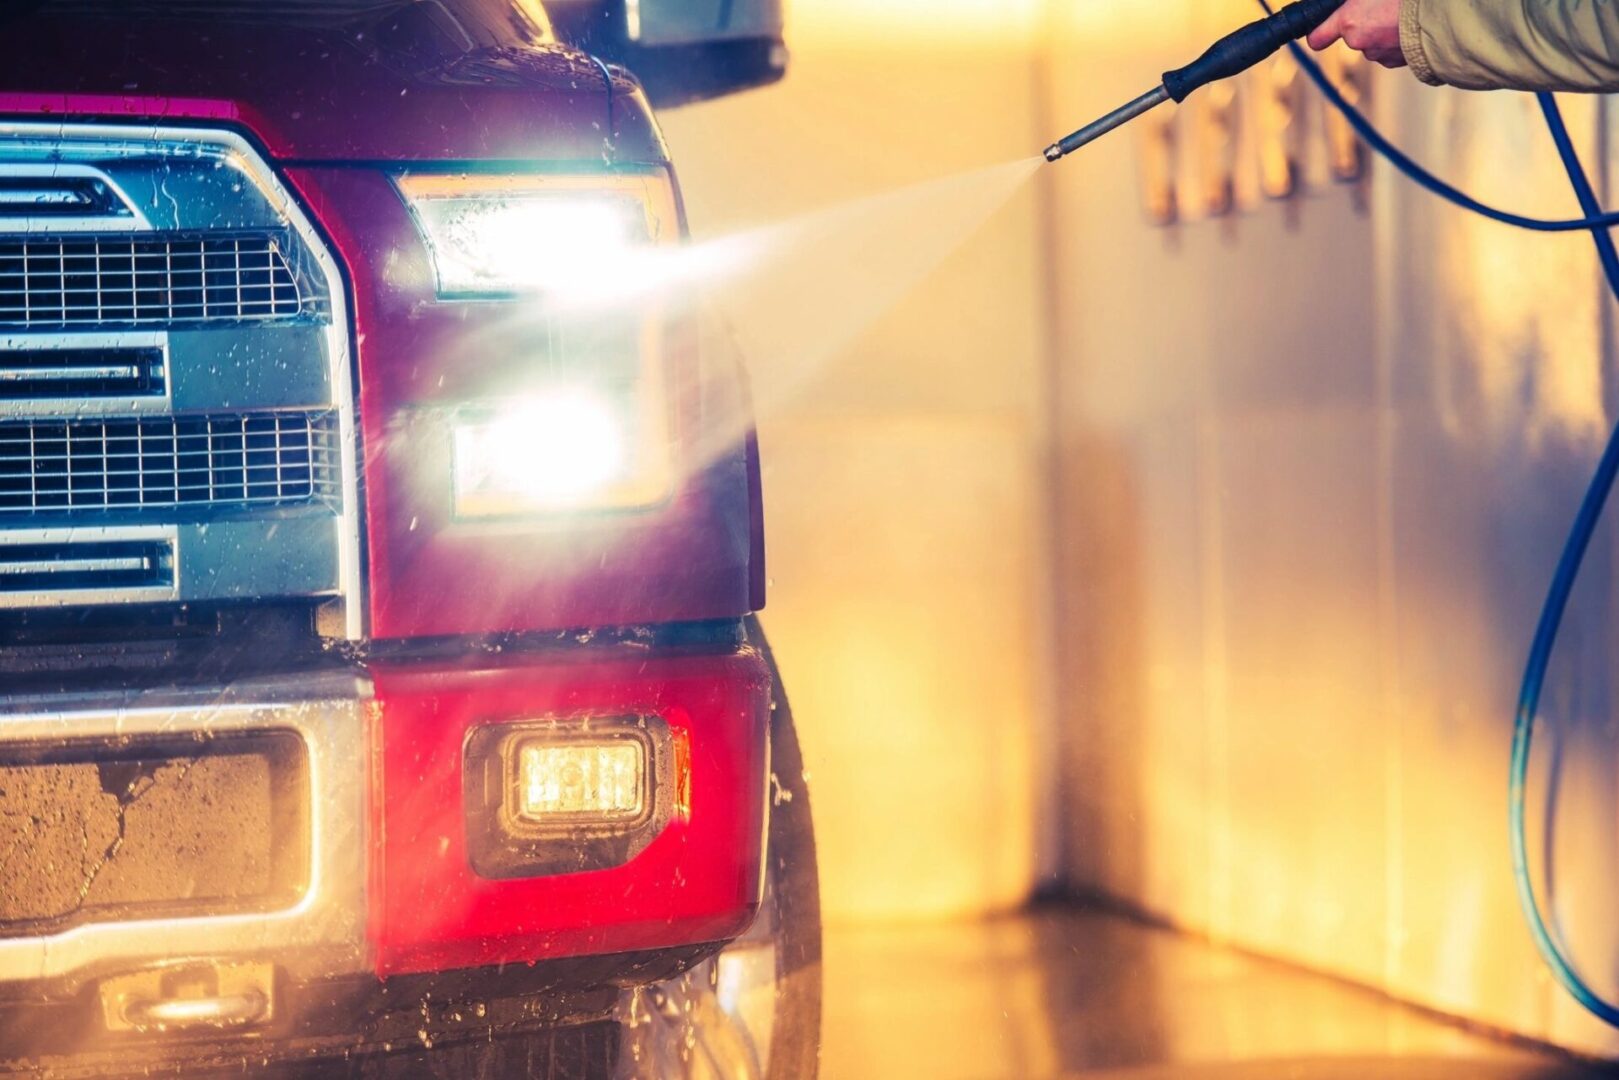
[[567, 449], [493, 236]]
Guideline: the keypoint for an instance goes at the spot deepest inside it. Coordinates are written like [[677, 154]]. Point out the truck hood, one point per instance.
[[325, 94]]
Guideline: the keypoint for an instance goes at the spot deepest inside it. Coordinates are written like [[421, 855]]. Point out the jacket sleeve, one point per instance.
[[1513, 44]]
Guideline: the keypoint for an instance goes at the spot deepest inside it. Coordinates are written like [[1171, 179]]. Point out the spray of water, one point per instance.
[[777, 302], [784, 299], [795, 294]]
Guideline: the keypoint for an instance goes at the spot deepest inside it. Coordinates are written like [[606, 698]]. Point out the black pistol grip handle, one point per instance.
[[1242, 49]]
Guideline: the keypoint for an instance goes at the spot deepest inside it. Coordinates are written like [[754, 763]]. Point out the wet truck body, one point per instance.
[[375, 635]]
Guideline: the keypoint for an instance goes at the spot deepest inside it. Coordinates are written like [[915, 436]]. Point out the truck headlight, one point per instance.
[[589, 427], [493, 236], [578, 447]]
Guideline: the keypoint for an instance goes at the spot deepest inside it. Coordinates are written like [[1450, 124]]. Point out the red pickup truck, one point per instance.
[[382, 680]]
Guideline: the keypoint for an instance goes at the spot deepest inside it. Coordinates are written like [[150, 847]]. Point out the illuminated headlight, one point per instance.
[[568, 449], [559, 796], [588, 426], [493, 236]]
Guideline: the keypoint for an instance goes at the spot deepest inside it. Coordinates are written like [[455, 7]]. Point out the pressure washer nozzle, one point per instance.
[[1117, 118], [1231, 55]]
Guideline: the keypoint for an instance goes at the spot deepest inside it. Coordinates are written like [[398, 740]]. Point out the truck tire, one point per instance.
[[753, 1011]]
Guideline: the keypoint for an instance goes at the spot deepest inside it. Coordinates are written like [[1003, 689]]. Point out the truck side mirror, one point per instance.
[[681, 50]]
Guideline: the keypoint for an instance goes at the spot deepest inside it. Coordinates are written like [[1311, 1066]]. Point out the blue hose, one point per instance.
[[1551, 619], [1594, 219], [1585, 523], [1421, 176]]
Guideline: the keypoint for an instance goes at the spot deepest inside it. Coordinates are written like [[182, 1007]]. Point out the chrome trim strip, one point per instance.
[[40, 194], [119, 405], [131, 221], [135, 141], [51, 598], [70, 374], [74, 566], [323, 934]]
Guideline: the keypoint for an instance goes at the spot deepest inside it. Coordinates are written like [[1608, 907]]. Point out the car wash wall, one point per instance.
[[1179, 540]]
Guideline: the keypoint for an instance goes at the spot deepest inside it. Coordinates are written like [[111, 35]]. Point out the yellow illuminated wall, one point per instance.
[[903, 488], [1316, 465], [916, 26]]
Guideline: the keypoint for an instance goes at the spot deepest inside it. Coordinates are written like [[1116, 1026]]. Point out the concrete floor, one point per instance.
[[1067, 993]]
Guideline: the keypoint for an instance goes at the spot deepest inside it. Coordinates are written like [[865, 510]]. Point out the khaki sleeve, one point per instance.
[[1513, 44]]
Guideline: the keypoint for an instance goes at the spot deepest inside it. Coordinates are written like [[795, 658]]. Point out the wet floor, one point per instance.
[[1080, 994]]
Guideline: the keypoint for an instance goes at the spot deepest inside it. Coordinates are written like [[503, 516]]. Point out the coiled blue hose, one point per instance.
[[1585, 522]]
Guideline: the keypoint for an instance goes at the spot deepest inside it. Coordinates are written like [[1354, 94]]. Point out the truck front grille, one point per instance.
[[175, 366], [138, 280], [166, 462]]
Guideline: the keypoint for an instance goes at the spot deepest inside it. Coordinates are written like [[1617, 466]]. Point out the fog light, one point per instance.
[[603, 781], [571, 794]]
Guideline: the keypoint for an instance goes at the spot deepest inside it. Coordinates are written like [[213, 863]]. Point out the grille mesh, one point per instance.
[[138, 279], [255, 459]]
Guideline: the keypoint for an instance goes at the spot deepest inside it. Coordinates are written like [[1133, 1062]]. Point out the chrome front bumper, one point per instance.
[[320, 934]]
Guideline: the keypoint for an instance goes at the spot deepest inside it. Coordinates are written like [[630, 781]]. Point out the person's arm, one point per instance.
[[1487, 44]]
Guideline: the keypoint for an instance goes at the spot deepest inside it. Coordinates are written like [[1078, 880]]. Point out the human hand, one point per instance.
[[1371, 27]]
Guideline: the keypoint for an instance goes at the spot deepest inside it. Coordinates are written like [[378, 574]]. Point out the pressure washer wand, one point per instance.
[[1231, 55]]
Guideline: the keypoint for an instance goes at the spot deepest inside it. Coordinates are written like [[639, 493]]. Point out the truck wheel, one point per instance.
[[753, 1011]]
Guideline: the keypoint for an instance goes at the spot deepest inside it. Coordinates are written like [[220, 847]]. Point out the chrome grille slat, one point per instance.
[[112, 375], [142, 279], [169, 462]]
